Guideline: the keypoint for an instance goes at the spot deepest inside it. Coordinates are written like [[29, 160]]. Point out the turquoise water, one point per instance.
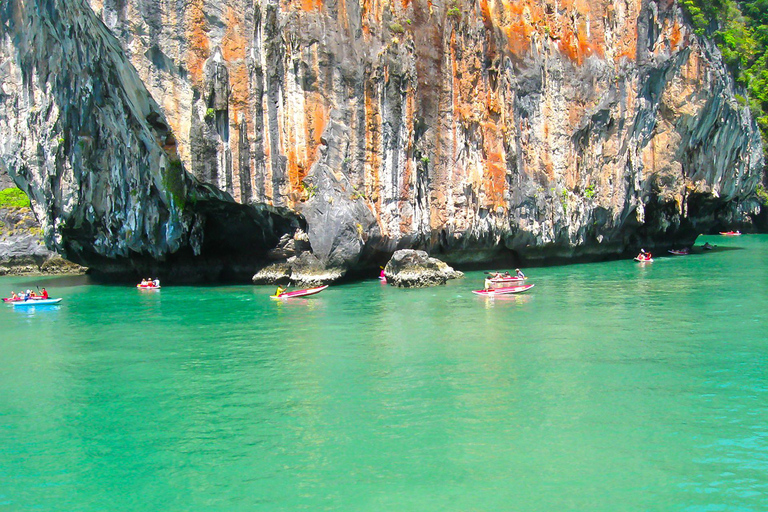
[[608, 387]]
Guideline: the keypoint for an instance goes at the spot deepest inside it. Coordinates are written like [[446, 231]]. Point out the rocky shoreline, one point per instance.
[[22, 249]]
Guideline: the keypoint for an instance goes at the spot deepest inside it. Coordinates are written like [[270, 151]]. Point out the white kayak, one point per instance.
[[35, 302]]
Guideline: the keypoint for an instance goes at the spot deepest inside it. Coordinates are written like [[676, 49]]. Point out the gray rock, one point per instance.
[[339, 220], [303, 270], [563, 133], [409, 268]]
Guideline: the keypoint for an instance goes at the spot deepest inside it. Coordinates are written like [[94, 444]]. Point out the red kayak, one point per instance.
[[10, 299], [504, 291], [299, 293], [731, 233], [643, 260]]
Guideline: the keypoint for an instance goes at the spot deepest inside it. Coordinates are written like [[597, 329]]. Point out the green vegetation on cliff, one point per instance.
[[13, 198], [740, 29]]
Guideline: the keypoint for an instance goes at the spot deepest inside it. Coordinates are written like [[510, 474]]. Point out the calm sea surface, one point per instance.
[[609, 387]]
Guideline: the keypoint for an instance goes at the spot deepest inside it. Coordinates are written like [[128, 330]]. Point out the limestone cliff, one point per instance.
[[467, 128], [85, 140]]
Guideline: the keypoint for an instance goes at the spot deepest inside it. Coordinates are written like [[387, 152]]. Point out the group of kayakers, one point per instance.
[[495, 278], [150, 283], [646, 256], [29, 295]]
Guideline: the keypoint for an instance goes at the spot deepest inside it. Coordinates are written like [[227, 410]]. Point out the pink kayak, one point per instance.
[[504, 291], [299, 293]]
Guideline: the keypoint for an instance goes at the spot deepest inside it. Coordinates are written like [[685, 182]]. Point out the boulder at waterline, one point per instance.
[[410, 268]]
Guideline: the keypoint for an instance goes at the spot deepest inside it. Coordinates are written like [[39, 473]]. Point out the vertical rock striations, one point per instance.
[[474, 129], [86, 141]]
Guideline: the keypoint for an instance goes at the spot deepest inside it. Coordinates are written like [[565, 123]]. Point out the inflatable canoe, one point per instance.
[[35, 302], [640, 260], [299, 293], [504, 291], [731, 233], [153, 287], [681, 252]]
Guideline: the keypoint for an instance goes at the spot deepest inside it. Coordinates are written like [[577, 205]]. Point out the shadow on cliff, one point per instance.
[[235, 238]]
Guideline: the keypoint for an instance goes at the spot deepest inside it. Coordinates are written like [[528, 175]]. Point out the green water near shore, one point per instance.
[[611, 386]]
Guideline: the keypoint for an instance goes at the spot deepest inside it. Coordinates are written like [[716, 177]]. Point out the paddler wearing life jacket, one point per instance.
[[645, 256], [280, 290]]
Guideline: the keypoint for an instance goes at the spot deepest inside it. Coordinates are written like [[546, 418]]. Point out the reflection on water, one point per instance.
[[35, 310]]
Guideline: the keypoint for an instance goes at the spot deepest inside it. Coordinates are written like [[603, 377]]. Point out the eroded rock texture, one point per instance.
[[87, 142], [471, 129], [415, 269]]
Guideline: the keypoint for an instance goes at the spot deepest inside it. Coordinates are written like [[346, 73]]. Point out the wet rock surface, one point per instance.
[[410, 268], [158, 139], [302, 270]]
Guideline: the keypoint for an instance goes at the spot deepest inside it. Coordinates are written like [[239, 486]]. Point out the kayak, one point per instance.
[[731, 233], [147, 287], [299, 293], [640, 260], [11, 299], [35, 302], [681, 252], [504, 291]]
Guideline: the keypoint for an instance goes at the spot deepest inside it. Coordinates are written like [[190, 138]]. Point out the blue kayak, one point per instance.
[[35, 302]]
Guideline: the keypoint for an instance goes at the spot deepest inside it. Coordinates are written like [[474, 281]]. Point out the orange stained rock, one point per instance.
[[675, 37], [311, 5], [299, 162], [495, 179], [519, 29], [371, 13], [372, 148], [197, 34], [410, 114]]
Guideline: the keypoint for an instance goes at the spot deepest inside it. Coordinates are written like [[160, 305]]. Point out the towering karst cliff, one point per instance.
[[147, 130]]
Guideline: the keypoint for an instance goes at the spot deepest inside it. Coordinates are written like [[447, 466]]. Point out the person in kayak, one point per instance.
[[280, 290], [156, 282], [44, 294], [520, 273], [644, 256]]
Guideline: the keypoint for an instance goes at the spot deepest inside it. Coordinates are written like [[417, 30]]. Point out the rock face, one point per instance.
[[299, 264], [22, 250], [415, 269], [82, 136], [471, 129]]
